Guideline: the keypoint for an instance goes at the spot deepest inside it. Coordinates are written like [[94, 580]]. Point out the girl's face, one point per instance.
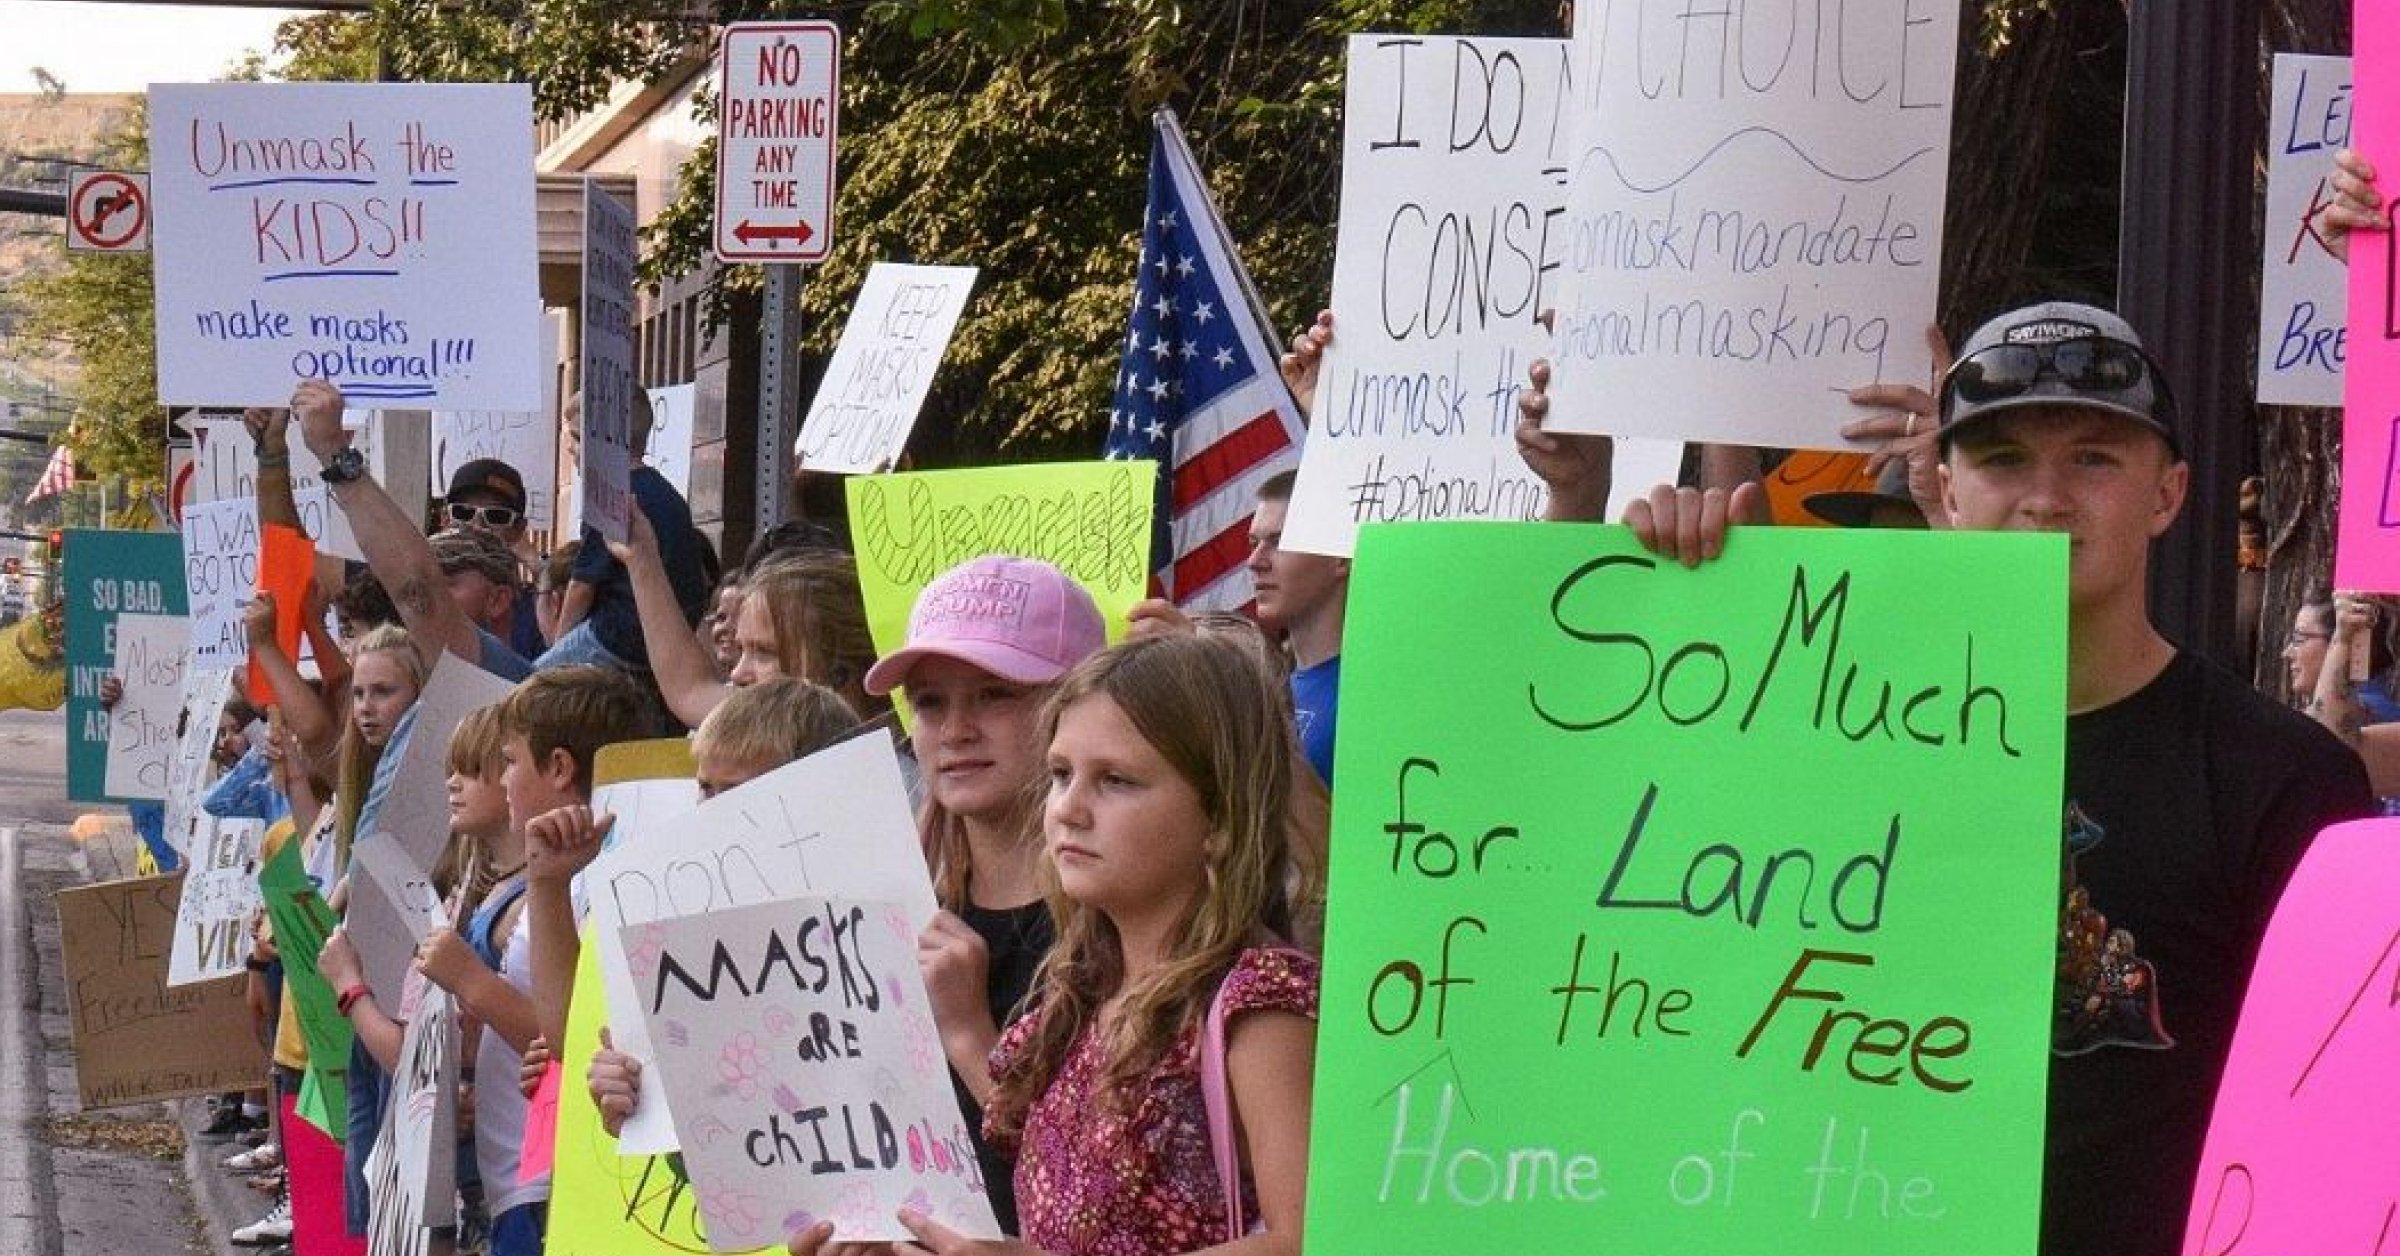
[[722, 625], [1126, 830], [232, 743], [719, 771], [478, 805], [758, 655], [978, 736], [381, 691]]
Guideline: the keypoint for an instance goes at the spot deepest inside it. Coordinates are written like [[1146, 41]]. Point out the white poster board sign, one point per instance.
[[1753, 227], [412, 1169], [333, 230], [2303, 311], [669, 449], [416, 806], [1453, 185], [151, 653], [397, 445], [205, 691], [836, 822], [606, 369], [884, 366], [527, 441], [220, 895], [220, 576], [851, 1061], [386, 918]]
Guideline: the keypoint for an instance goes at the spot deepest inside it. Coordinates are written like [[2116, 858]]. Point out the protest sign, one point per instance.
[[205, 691], [524, 439], [107, 574], [795, 1093], [2301, 1155], [1800, 775], [2303, 326], [398, 450], [1454, 175], [412, 1170], [2366, 552], [602, 1203], [287, 565], [220, 575], [328, 230], [669, 449], [1754, 221], [136, 1039], [220, 896], [884, 366], [606, 369], [392, 908], [416, 805], [1091, 520], [541, 1127], [836, 822], [142, 729], [301, 921]]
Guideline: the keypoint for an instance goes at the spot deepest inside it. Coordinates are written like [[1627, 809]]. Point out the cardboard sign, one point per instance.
[[205, 692], [412, 1170], [2301, 1156], [1091, 520], [225, 468], [2366, 554], [836, 822], [1776, 1041], [609, 257], [1453, 183], [287, 566], [220, 896], [142, 728], [1754, 222], [669, 449], [390, 896], [891, 348], [779, 109], [604, 1204], [107, 574], [329, 230], [2303, 314], [136, 1039], [524, 439], [796, 1093], [416, 805]]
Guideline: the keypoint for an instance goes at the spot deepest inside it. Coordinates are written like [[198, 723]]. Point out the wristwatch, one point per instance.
[[344, 466]]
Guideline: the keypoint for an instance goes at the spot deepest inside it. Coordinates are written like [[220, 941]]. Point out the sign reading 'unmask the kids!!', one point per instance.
[[1754, 215], [1706, 911], [335, 231]]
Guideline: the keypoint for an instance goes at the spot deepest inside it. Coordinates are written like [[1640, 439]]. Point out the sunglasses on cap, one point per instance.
[[494, 517], [2097, 365]]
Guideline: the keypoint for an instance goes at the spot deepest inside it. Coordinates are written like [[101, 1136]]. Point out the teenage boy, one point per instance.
[[1302, 598], [2190, 797]]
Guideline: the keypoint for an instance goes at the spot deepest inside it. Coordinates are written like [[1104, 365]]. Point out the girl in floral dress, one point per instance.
[[1165, 828]]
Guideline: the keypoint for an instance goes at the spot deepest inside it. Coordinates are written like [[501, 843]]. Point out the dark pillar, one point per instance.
[[2187, 250]]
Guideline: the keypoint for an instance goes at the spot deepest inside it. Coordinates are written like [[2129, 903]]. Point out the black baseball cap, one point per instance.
[[489, 475], [2057, 353]]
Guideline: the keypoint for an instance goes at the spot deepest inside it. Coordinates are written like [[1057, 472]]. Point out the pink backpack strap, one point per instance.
[[1216, 1095]]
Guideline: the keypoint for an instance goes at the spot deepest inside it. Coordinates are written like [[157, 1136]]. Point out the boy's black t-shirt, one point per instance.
[[2188, 806], [1016, 939]]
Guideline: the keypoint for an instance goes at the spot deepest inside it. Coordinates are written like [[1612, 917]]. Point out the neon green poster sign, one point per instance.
[[1703, 911]]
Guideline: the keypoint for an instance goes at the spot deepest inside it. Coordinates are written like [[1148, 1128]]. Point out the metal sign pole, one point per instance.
[[778, 393]]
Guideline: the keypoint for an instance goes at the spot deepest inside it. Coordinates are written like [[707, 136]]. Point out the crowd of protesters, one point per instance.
[[1123, 839]]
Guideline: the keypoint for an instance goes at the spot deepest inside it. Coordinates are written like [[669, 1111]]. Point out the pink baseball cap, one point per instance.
[[1020, 619]]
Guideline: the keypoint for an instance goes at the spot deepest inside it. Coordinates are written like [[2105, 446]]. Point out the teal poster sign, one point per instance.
[[108, 574]]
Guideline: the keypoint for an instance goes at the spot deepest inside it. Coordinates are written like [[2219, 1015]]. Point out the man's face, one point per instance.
[[482, 599], [2107, 482], [1292, 587], [481, 510]]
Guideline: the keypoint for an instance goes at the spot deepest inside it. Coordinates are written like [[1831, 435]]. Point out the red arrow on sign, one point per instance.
[[750, 233]]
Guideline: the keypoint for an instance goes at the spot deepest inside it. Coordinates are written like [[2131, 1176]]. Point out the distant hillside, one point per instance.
[[34, 127]]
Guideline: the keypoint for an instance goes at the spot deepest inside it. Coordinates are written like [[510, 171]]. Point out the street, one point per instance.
[[70, 1182]]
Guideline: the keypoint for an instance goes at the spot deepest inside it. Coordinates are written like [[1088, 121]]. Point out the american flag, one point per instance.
[[55, 477], [1197, 388]]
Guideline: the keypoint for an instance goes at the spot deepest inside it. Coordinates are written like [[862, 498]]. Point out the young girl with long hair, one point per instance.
[[1165, 826]]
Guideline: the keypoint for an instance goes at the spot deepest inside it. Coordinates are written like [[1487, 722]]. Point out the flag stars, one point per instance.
[[1160, 350], [1223, 358], [1157, 390], [1157, 431], [1204, 311], [1168, 220], [1164, 306], [1183, 265], [1188, 350], [1160, 265]]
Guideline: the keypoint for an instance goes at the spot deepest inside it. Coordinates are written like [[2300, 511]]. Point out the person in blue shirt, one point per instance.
[[1301, 599]]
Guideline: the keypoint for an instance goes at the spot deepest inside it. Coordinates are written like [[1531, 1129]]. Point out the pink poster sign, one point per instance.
[[2367, 547], [2304, 1152]]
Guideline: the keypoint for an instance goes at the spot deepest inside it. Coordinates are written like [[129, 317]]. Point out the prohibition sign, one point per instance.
[[108, 211]]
